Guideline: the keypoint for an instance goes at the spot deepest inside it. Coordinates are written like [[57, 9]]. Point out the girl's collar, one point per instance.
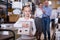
[[26, 18]]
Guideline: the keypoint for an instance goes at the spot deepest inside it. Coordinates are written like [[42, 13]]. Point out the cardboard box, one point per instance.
[[23, 31], [13, 18]]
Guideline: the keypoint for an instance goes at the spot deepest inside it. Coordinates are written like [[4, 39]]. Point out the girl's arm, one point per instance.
[[34, 28], [18, 23]]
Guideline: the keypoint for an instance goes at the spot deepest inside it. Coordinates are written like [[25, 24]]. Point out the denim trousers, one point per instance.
[[46, 27]]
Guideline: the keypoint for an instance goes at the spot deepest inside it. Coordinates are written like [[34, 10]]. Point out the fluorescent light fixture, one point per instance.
[[17, 5], [50, 2], [12, 0]]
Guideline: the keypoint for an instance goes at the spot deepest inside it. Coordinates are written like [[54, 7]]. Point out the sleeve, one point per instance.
[[49, 12], [18, 23], [34, 28], [35, 14], [56, 20]]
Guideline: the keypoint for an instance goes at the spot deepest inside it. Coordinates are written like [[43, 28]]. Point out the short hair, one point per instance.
[[40, 3], [24, 7]]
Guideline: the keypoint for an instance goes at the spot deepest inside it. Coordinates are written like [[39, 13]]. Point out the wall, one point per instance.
[[54, 4]]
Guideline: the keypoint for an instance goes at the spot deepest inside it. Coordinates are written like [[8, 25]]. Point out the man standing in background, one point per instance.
[[46, 20]]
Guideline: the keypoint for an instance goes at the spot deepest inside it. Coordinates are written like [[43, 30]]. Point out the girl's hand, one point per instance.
[[31, 34], [43, 11], [25, 25]]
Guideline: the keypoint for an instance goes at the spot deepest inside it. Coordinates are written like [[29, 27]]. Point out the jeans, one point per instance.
[[46, 27]]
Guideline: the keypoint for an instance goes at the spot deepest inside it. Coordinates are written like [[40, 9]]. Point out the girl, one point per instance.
[[27, 18]]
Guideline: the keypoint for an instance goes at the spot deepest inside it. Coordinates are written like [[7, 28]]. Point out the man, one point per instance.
[[46, 20], [53, 17]]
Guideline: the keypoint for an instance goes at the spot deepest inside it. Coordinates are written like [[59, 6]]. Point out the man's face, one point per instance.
[[46, 3]]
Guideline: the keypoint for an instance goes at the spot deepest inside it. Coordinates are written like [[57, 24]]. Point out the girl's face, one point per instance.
[[27, 11]]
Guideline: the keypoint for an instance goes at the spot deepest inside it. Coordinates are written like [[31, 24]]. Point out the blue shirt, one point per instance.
[[48, 11]]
